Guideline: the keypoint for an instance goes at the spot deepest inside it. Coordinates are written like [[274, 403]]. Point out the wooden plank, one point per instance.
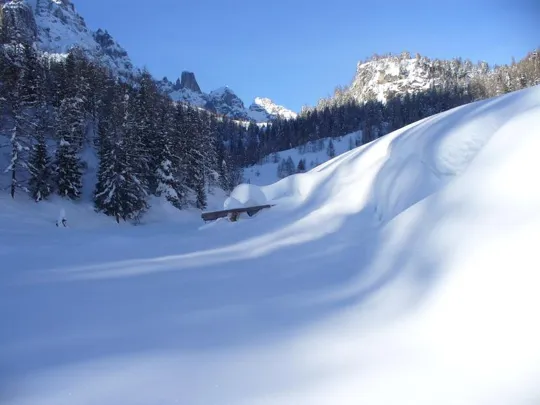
[[212, 216]]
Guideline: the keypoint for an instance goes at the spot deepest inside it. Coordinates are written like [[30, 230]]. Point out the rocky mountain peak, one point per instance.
[[188, 81]]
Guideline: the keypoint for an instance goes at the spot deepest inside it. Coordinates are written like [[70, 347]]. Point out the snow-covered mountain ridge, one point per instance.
[[56, 27], [223, 101]]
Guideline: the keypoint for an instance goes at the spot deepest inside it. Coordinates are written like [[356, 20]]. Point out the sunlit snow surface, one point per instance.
[[403, 272]]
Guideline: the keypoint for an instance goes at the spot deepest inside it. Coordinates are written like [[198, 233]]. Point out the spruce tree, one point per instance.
[[68, 173], [168, 176], [331, 150], [39, 165], [70, 133], [301, 168], [119, 191], [23, 101], [193, 158]]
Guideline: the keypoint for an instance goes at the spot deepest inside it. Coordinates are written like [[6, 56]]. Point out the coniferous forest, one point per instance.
[[53, 110]]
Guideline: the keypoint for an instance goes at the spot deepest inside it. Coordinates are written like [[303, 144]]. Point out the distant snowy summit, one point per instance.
[[264, 109], [56, 28], [223, 101]]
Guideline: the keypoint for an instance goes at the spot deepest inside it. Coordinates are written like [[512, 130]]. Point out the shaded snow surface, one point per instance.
[[404, 271]]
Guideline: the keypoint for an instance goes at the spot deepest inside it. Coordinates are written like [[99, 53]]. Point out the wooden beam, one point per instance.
[[212, 216]]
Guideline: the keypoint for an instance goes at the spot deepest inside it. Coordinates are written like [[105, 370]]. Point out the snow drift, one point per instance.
[[404, 271], [245, 195]]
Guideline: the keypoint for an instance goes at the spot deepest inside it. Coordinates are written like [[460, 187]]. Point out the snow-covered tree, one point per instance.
[[70, 128], [24, 102], [119, 191], [39, 166], [68, 174], [169, 177]]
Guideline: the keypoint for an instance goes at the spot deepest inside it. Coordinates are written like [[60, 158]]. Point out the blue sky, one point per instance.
[[298, 51]]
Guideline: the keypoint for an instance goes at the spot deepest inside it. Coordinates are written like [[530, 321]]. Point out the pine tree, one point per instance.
[[169, 180], [301, 168], [68, 173], [119, 191], [143, 116], [193, 158], [331, 151], [24, 101], [70, 132], [40, 183]]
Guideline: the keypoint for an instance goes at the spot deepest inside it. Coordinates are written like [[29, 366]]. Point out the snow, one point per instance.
[[382, 78], [266, 173], [226, 102], [232, 203], [60, 28], [248, 195], [403, 271], [263, 110], [189, 96]]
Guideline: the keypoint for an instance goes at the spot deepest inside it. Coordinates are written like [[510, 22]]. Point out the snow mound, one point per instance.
[[246, 195], [232, 203]]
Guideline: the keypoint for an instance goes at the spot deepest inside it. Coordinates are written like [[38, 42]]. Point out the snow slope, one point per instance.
[[404, 271], [266, 173]]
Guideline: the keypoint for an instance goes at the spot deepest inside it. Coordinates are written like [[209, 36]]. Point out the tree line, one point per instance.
[[460, 82], [52, 110]]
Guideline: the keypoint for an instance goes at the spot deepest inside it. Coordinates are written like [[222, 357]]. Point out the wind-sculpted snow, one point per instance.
[[404, 271]]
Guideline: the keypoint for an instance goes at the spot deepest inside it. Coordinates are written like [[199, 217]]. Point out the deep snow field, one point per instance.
[[406, 271]]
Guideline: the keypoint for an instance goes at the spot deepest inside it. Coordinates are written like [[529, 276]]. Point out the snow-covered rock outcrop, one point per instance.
[[384, 77]]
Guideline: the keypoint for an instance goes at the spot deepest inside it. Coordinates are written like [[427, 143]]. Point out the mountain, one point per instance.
[[382, 78], [264, 109], [223, 101], [56, 28], [404, 272]]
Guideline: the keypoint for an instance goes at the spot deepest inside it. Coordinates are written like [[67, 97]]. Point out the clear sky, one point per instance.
[[297, 51]]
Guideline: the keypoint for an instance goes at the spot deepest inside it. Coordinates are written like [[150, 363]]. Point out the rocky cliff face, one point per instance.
[[189, 82], [56, 27], [17, 22]]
